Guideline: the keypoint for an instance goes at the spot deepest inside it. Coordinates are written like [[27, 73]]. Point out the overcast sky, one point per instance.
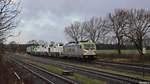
[[46, 19]]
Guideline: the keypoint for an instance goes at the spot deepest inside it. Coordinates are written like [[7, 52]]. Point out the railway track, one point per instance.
[[112, 78], [118, 66], [48, 77], [121, 66], [100, 74], [124, 66]]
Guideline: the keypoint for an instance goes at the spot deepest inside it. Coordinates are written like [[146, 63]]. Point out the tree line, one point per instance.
[[121, 27]]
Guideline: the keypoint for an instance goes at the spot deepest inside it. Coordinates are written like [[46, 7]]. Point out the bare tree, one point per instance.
[[95, 29], [147, 40], [42, 42], [138, 27], [13, 46], [8, 12], [32, 42], [75, 32], [13, 42], [117, 25]]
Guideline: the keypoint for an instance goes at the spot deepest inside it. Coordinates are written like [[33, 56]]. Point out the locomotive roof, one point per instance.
[[83, 42]]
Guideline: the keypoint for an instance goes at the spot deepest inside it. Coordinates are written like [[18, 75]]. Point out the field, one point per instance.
[[116, 52], [128, 56]]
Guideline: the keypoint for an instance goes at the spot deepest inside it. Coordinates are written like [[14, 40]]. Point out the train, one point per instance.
[[70, 50]]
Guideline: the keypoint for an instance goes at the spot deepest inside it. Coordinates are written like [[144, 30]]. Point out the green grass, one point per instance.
[[116, 52], [86, 80], [78, 77]]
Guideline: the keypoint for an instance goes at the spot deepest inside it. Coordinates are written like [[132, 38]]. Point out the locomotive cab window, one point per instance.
[[89, 46]]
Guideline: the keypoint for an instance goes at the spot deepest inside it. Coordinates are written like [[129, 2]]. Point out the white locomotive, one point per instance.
[[55, 50], [38, 50], [80, 50], [76, 50]]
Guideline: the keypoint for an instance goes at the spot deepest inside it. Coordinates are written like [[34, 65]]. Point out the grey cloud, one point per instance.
[[46, 19], [65, 7]]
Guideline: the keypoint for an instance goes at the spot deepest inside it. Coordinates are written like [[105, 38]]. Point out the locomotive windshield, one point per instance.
[[89, 46]]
